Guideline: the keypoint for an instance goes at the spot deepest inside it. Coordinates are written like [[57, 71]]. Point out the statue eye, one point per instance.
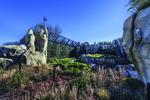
[[137, 36]]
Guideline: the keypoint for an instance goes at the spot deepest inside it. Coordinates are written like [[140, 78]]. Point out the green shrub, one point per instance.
[[69, 65], [102, 94], [40, 73], [133, 83], [4, 88], [76, 67], [80, 83], [1, 71], [56, 61], [19, 79], [48, 98], [95, 55]]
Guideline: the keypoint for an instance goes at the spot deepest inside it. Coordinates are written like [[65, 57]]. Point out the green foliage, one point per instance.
[[4, 88], [80, 83], [69, 65], [37, 77], [95, 55], [48, 98], [76, 67], [40, 74], [133, 83], [136, 5], [1, 71], [61, 62], [19, 79], [103, 94]]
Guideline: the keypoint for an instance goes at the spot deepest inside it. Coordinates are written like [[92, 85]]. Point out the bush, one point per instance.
[[133, 83], [19, 79], [102, 94], [38, 73], [48, 98], [80, 83], [4, 88], [69, 65], [56, 61], [1, 71], [75, 67], [95, 55]]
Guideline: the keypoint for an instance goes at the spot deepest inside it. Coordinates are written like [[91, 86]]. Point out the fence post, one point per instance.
[[54, 72]]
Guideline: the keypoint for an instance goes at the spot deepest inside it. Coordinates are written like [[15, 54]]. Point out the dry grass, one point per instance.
[[99, 87], [61, 90], [5, 75]]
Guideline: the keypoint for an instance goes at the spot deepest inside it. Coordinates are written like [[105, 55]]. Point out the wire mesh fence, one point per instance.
[[58, 50]]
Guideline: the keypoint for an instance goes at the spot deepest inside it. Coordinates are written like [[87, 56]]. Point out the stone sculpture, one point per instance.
[[41, 41], [29, 40], [32, 49], [136, 42]]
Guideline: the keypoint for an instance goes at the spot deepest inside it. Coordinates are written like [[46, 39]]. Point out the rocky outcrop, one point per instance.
[[5, 62], [136, 41], [31, 50], [41, 41]]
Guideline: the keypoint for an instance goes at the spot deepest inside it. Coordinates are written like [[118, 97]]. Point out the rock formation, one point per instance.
[[29, 40], [32, 48], [136, 42]]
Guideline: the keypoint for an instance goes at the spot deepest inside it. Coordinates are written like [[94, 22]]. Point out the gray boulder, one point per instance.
[[41, 35], [10, 51], [29, 40], [5, 62], [32, 49], [136, 41], [35, 58]]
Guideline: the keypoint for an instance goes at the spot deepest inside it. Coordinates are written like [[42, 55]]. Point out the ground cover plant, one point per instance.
[[95, 55], [70, 65]]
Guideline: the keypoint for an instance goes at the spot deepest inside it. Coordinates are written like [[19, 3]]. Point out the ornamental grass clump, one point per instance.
[[103, 94], [107, 77], [19, 79]]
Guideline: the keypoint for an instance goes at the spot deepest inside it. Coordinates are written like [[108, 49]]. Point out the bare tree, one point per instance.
[[55, 30]]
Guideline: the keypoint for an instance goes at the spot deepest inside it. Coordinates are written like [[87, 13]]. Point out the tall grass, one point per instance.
[[104, 84]]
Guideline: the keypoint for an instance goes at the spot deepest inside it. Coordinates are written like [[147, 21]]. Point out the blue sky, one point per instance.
[[80, 20]]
